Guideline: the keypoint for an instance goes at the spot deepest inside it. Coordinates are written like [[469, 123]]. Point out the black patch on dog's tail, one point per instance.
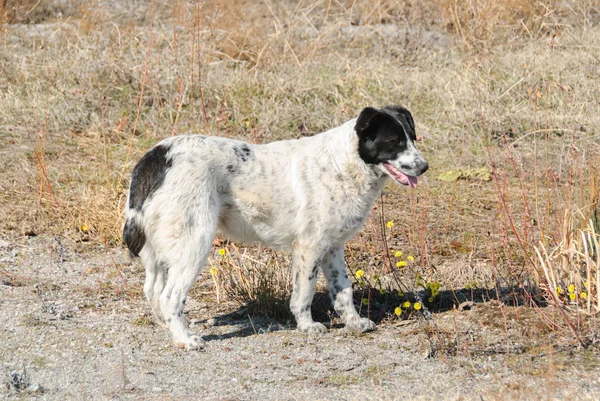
[[134, 236]]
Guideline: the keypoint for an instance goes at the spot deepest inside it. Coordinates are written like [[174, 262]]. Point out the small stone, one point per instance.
[[157, 389], [4, 244], [35, 388]]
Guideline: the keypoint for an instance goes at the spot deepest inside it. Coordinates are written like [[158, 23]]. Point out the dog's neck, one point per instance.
[[363, 178]]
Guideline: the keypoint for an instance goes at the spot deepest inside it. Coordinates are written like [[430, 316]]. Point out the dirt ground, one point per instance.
[[67, 334], [503, 86]]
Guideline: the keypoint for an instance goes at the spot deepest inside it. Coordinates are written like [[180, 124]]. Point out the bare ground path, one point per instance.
[[67, 331]]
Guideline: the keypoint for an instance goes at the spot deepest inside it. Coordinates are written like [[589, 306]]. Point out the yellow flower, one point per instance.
[[430, 299], [398, 311], [572, 296], [398, 254], [400, 293], [417, 306], [365, 301], [222, 251], [558, 290], [375, 276], [382, 291], [213, 271], [571, 288], [583, 295], [587, 284], [410, 258], [401, 263], [359, 273], [390, 224], [84, 227], [406, 304]]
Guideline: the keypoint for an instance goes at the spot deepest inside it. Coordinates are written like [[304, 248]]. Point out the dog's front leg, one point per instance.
[[305, 266], [340, 291]]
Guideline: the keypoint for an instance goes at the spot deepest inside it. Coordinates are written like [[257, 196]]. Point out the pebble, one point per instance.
[[35, 388]]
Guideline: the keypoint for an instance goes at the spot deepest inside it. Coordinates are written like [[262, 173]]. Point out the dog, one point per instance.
[[308, 196]]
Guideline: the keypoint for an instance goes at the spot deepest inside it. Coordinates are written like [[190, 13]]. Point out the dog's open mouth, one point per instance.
[[400, 176]]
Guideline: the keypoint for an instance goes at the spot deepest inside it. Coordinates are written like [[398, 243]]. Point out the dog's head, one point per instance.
[[386, 139]]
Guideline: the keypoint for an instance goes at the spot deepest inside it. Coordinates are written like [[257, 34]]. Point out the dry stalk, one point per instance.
[[141, 97]]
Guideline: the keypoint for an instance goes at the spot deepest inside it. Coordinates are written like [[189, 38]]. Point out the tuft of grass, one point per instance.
[[261, 281], [143, 321], [570, 271]]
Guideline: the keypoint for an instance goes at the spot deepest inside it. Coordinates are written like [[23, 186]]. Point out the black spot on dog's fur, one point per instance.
[[191, 220], [231, 169], [242, 152], [148, 175], [134, 237], [313, 273], [164, 266]]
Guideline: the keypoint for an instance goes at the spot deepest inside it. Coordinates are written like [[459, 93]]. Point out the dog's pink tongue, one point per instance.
[[412, 181]]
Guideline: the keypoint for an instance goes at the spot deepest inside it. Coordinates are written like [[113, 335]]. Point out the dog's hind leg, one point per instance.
[[340, 290], [155, 281], [186, 256], [305, 266]]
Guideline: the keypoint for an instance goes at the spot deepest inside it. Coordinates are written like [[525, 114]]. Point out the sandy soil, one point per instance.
[[73, 325]]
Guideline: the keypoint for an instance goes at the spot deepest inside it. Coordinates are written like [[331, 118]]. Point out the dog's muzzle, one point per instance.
[[407, 179]]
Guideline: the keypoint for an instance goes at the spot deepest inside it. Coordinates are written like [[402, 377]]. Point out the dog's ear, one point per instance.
[[364, 119], [402, 113]]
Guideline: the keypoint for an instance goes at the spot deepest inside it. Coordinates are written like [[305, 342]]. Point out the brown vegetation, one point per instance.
[[507, 88]]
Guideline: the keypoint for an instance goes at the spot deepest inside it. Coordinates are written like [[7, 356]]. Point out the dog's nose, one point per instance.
[[423, 167]]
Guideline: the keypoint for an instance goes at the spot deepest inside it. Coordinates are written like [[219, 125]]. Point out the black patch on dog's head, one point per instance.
[[148, 175], [382, 133], [405, 118]]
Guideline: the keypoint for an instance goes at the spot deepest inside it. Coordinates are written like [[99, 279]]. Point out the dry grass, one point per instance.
[[508, 85]]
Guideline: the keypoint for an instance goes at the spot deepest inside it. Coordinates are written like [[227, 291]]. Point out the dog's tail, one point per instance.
[[133, 231], [133, 235], [147, 177]]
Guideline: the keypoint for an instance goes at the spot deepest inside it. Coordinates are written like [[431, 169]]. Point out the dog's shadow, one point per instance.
[[256, 320]]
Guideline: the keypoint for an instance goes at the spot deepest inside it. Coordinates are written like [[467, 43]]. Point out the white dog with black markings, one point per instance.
[[308, 196]]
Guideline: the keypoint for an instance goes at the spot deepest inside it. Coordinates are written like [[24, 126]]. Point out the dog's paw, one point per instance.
[[312, 328], [191, 343], [360, 325]]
